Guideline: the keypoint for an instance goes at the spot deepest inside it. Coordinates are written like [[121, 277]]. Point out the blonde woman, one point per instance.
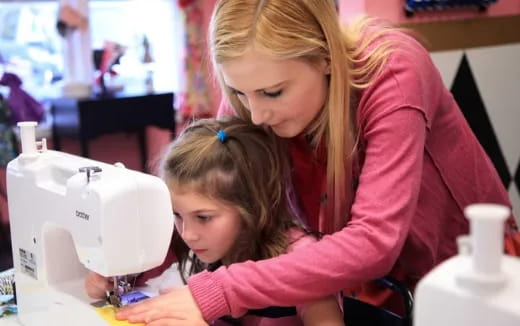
[[383, 160]]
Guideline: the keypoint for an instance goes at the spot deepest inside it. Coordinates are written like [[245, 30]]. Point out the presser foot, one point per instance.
[[120, 300], [121, 286], [122, 294]]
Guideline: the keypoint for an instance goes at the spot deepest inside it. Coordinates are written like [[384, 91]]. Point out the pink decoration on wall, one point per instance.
[[195, 102]]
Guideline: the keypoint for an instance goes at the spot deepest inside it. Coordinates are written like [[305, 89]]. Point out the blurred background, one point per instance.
[[475, 45]]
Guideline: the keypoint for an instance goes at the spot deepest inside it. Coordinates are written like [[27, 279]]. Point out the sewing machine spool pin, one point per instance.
[[90, 171]]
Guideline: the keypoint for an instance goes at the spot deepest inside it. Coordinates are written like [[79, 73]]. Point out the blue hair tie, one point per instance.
[[222, 136]]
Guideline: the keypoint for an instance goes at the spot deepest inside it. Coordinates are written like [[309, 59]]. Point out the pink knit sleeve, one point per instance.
[[364, 250], [300, 240]]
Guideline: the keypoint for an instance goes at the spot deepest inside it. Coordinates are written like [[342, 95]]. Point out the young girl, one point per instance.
[[383, 160], [228, 183]]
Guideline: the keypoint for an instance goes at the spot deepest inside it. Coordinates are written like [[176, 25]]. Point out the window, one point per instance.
[[31, 47]]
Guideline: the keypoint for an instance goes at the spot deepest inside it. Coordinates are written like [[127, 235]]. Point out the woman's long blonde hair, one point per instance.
[[247, 171], [307, 30]]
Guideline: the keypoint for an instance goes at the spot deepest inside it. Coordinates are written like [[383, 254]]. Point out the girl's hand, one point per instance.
[[174, 306], [96, 285]]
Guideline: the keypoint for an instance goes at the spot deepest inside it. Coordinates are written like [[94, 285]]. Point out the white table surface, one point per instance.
[[169, 278], [9, 321]]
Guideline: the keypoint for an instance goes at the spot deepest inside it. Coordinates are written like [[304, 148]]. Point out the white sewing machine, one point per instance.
[[69, 215], [478, 287]]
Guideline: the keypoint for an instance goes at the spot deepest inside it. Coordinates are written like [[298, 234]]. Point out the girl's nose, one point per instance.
[[188, 233]]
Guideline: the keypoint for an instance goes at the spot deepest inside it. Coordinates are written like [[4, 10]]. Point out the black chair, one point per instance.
[[359, 313], [356, 312]]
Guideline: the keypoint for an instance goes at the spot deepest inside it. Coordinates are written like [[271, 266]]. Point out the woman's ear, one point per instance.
[[326, 66]]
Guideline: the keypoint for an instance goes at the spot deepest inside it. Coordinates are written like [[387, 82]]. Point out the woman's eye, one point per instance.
[[238, 93], [273, 94]]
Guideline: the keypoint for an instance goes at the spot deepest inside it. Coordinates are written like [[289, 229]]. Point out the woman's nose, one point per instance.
[[259, 114]]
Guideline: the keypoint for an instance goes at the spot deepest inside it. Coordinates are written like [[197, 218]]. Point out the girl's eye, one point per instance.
[[177, 216], [273, 94], [203, 218]]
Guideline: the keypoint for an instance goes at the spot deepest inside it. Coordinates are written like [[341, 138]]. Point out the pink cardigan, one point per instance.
[[420, 166]]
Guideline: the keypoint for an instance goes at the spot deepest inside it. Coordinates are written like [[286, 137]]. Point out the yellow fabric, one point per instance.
[[108, 313]]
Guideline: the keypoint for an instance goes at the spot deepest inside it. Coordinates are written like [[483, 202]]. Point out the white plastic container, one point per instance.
[[479, 286]]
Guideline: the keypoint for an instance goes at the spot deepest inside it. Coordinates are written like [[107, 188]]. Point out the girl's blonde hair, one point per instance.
[[247, 171], [307, 30]]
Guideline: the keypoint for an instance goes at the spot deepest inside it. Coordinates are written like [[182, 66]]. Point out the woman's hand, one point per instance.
[[96, 285], [177, 322], [174, 306]]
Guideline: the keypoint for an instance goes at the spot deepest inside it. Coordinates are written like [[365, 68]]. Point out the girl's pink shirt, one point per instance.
[[420, 165], [299, 240]]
